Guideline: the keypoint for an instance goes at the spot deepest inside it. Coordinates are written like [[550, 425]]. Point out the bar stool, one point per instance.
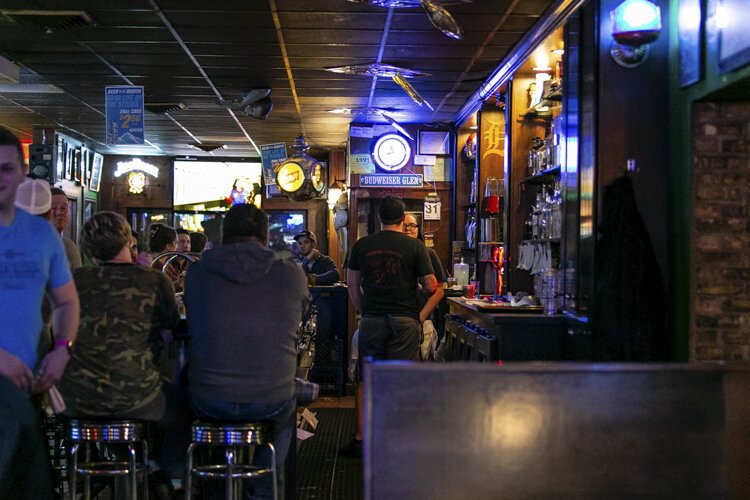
[[106, 433], [234, 438]]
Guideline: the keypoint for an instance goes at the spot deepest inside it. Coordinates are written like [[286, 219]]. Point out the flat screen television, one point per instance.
[[283, 225], [215, 185]]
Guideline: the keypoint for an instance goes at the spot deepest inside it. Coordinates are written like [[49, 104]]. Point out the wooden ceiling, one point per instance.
[[200, 52]]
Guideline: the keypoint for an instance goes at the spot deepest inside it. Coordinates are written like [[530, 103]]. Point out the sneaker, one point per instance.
[[353, 449]]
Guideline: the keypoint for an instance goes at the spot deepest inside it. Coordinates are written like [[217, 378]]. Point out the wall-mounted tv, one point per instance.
[[283, 225], [215, 185]]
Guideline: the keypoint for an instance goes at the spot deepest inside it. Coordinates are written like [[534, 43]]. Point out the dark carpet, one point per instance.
[[322, 472]]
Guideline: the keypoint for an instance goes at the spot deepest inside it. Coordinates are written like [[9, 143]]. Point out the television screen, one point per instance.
[[193, 221], [215, 185], [282, 226]]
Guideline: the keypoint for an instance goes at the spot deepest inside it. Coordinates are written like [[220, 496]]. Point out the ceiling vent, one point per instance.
[[161, 108], [207, 146], [51, 21]]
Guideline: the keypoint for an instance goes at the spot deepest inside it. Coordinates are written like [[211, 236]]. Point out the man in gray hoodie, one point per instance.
[[244, 305]]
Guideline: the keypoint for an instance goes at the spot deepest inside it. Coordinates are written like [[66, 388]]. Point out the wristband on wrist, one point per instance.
[[68, 344]]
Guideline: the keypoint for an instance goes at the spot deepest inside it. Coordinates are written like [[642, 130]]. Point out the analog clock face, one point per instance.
[[391, 152]]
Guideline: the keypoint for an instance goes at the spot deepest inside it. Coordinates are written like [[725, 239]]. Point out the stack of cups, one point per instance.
[[548, 292]]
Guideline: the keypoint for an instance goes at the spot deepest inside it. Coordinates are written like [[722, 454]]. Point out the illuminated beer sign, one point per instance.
[[290, 177], [136, 164], [136, 182]]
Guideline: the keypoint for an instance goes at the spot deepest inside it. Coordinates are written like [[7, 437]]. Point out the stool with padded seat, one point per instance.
[[234, 438], [126, 432]]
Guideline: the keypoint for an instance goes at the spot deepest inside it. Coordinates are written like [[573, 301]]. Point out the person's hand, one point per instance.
[[15, 370], [314, 255], [51, 369]]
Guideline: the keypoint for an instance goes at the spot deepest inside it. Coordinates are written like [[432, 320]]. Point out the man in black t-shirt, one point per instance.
[[383, 272]]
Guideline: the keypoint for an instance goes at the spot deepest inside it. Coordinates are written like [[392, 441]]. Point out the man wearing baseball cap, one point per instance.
[[314, 262]]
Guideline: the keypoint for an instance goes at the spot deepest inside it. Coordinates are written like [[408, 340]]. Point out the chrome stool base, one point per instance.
[[105, 433], [236, 439]]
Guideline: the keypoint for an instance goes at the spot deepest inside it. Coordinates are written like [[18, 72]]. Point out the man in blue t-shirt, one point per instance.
[[32, 260]]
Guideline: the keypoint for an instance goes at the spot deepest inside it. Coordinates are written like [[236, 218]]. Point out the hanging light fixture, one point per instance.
[[300, 177], [635, 24]]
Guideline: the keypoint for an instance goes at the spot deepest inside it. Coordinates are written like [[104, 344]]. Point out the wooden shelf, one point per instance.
[[542, 240], [536, 115]]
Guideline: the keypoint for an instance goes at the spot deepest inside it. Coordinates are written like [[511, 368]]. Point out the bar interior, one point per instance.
[[579, 170]]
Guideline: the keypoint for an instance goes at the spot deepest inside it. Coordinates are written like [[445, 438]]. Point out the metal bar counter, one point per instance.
[[520, 336]]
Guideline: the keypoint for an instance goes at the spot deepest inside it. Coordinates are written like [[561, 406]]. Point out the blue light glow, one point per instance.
[[636, 22]]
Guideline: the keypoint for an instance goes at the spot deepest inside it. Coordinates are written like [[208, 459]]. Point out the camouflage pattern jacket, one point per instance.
[[115, 366]]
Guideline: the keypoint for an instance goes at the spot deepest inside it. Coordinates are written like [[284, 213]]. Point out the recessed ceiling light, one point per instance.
[[542, 68], [558, 51]]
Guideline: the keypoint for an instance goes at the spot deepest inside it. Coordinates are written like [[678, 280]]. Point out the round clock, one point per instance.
[[391, 152]]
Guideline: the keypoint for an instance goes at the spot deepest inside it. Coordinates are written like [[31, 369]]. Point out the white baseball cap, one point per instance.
[[34, 196]]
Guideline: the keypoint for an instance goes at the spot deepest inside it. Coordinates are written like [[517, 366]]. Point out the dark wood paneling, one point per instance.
[[114, 195]]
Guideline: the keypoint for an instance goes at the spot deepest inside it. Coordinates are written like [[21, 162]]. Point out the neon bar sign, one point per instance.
[[137, 164]]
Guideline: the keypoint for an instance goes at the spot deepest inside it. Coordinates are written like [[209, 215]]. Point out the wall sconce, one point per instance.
[[635, 24], [335, 191], [333, 196]]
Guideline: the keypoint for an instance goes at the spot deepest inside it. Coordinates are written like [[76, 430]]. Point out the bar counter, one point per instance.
[[332, 342], [521, 336]]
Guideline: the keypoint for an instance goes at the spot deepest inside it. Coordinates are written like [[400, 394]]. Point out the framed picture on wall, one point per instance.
[[84, 165], [89, 209], [71, 231], [431, 142], [96, 172], [69, 154], [734, 35], [60, 163], [690, 27], [77, 165]]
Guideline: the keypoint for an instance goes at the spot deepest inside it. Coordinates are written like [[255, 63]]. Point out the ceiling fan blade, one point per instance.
[[401, 81], [390, 3], [442, 19], [395, 124]]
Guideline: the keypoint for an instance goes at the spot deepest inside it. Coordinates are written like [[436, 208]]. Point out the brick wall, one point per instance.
[[720, 323]]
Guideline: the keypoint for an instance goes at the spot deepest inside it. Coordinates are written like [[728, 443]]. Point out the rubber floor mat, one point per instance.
[[322, 472]]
